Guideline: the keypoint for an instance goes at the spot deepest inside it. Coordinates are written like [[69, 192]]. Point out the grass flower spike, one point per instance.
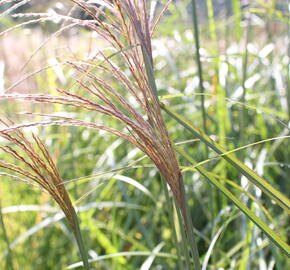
[[37, 167], [129, 32]]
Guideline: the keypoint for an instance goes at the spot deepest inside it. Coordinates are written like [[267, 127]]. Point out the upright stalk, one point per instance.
[[198, 61], [184, 239], [171, 221], [80, 242], [189, 227], [245, 65]]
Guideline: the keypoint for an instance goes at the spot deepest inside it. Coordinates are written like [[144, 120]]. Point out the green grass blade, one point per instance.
[[249, 213], [268, 111], [273, 193], [238, 149], [250, 196]]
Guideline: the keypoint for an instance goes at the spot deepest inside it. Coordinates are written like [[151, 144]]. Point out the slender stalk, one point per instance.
[[243, 113], [185, 250], [244, 78], [9, 262], [189, 227], [80, 242], [171, 221], [198, 61]]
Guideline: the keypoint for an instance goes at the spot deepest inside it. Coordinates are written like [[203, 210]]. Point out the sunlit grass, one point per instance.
[[227, 117]]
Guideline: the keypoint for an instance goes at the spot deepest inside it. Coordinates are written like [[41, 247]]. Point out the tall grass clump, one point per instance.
[[117, 89], [128, 28]]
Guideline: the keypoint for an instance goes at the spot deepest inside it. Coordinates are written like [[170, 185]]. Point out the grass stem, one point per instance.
[[184, 239], [244, 78], [171, 222], [198, 61], [80, 242], [189, 229]]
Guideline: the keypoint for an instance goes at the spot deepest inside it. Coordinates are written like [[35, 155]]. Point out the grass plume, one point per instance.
[[129, 27], [37, 167]]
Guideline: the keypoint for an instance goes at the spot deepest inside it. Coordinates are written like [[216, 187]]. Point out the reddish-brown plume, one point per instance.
[[34, 166], [128, 28]]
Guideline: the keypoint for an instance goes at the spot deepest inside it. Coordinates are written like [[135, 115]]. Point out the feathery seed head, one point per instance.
[[127, 26]]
